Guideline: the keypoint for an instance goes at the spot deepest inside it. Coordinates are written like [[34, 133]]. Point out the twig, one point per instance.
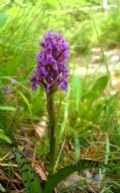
[[8, 165], [4, 157]]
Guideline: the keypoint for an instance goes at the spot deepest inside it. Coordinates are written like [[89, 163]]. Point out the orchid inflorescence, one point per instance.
[[51, 71]]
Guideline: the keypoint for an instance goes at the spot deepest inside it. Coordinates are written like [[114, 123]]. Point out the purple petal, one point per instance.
[[12, 81], [64, 86], [34, 87], [8, 90], [42, 44]]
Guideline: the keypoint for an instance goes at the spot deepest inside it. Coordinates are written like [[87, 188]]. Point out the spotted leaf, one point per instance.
[[30, 179], [55, 179]]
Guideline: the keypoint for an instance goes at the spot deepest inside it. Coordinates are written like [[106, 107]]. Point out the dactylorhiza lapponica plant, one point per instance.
[[51, 73]]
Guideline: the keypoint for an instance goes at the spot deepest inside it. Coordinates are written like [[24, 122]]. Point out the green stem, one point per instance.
[[52, 125]]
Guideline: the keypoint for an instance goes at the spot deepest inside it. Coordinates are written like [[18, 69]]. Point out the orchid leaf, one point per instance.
[[30, 179], [55, 179]]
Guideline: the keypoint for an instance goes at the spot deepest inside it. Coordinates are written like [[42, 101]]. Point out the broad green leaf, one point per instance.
[[77, 88], [4, 137], [7, 108], [97, 89], [3, 18], [100, 84], [55, 179], [30, 179]]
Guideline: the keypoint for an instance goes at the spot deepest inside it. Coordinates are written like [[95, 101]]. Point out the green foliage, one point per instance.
[[3, 19], [54, 180], [4, 137], [2, 113], [97, 89], [77, 88], [7, 108], [90, 104], [26, 102], [30, 179], [110, 30]]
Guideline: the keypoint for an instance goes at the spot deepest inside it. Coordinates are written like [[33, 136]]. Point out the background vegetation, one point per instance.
[[89, 115]]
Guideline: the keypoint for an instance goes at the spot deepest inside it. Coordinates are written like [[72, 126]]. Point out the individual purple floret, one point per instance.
[[12, 81], [51, 71], [8, 90]]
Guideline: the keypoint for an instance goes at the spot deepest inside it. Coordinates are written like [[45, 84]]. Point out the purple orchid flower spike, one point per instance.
[[51, 71]]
